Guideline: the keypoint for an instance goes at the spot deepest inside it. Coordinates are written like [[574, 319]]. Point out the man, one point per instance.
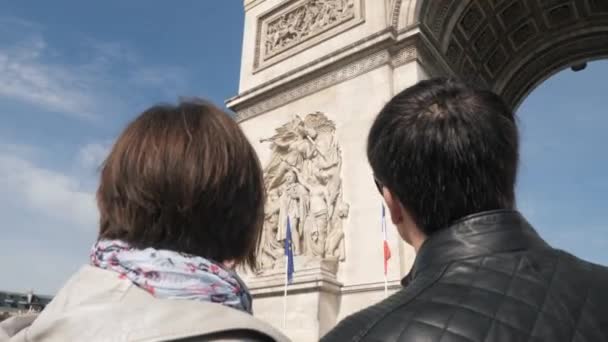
[[445, 157]]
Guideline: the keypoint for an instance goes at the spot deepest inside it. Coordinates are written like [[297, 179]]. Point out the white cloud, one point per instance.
[[92, 155], [46, 192], [24, 76], [110, 52], [49, 216], [9, 23], [35, 71], [139, 74]]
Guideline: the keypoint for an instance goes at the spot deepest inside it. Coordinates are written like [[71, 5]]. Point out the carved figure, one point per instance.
[[309, 19], [271, 248], [317, 221], [303, 183], [335, 239], [293, 147], [294, 205]]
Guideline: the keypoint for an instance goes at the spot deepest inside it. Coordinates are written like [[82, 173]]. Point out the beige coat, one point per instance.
[[95, 305]]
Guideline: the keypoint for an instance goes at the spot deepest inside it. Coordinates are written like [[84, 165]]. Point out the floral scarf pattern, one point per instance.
[[172, 275]]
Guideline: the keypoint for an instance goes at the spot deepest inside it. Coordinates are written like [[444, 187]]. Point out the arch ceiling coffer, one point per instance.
[[509, 45]]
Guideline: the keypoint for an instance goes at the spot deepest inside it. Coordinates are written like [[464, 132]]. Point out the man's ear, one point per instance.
[[394, 206]]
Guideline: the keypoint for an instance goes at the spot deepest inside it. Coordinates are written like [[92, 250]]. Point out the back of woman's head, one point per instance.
[[184, 178]]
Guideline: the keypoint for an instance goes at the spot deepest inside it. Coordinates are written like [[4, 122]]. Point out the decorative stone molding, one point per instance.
[[404, 55], [439, 14], [393, 10], [346, 72], [249, 4], [310, 275], [359, 61], [433, 62], [404, 14], [296, 25], [355, 48], [393, 285]]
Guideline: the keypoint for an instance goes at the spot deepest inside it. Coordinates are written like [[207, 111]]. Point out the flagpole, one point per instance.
[[385, 286], [288, 269], [384, 252], [287, 246], [385, 273], [285, 291]]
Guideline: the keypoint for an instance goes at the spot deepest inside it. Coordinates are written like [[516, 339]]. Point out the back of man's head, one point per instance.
[[445, 150]]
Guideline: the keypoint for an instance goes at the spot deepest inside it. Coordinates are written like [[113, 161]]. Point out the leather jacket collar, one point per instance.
[[484, 233]]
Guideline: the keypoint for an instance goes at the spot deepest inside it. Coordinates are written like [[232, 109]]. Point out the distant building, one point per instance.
[[14, 303]]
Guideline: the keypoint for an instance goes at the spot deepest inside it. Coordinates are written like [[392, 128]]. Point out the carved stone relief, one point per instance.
[[306, 20], [289, 26], [303, 185]]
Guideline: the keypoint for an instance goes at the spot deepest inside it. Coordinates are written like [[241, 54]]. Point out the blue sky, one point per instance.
[[562, 184], [72, 74]]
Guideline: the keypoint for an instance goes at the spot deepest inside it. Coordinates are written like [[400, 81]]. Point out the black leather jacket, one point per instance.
[[489, 277]]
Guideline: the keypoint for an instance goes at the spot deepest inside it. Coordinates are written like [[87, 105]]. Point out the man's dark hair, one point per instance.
[[184, 178], [446, 150]]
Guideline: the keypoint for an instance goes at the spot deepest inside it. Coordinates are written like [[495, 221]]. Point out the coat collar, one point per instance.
[[96, 305], [484, 233]]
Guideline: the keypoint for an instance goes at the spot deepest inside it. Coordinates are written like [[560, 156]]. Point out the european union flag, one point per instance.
[[289, 253]]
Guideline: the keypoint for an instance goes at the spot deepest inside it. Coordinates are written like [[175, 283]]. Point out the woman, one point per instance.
[[294, 207], [181, 205]]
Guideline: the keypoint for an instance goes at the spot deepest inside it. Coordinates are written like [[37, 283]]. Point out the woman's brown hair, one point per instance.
[[184, 178]]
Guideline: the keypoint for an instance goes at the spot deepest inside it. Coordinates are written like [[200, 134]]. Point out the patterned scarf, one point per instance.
[[172, 275]]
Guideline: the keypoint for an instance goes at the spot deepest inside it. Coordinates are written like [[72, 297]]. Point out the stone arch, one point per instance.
[[404, 13], [510, 46]]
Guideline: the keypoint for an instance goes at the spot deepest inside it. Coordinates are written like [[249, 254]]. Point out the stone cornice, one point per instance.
[[382, 48], [249, 4], [308, 282], [311, 283], [432, 59], [313, 65], [371, 287]]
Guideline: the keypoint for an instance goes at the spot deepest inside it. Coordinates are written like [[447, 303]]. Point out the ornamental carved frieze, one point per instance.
[[298, 24]]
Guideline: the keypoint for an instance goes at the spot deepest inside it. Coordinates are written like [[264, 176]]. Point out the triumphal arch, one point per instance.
[[315, 72]]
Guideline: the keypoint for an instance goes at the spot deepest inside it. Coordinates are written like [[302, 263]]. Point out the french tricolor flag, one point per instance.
[[386, 248]]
